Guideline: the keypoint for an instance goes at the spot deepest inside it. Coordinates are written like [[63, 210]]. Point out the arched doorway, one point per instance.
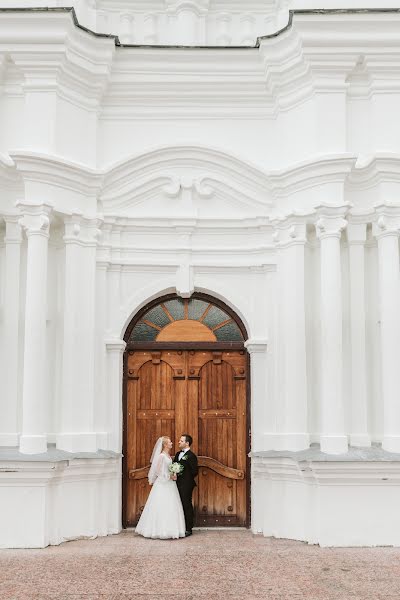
[[186, 370]]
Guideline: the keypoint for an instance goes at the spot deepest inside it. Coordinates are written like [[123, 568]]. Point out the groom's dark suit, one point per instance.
[[186, 484]]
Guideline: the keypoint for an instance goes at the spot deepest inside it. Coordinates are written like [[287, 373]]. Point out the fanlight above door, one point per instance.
[[182, 320]]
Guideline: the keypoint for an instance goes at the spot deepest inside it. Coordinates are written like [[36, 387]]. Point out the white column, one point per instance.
[[36, 223], [9, 426], [291, 237], [387, 233], [77, 409], [356, 237], [260, 403], [330, 224], [115, 351]]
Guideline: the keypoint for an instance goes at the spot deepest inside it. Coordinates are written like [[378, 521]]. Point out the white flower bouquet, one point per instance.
[[175, 468]]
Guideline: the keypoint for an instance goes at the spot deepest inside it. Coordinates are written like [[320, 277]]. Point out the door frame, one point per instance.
[[134, 346]]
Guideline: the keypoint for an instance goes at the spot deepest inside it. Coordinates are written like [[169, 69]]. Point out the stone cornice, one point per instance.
[[371, 171], [214, 176], [69, 62], [317, 171], [58, 172]]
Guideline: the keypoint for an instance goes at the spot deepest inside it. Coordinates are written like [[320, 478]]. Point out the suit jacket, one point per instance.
[[186, 478]]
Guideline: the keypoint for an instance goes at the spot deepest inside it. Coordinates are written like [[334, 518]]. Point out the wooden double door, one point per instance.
[[203, 393]]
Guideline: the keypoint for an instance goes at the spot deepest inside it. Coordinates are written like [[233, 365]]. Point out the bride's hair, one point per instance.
[[164, 440]]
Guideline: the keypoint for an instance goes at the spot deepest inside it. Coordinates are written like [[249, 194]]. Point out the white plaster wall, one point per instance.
[[85, 493], [76, 133], [253, 140]]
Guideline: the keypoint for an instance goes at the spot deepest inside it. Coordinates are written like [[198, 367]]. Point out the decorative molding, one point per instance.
[[198, 7], [315, 171], [56, 171], [229, 180], [256, 346], [387, 220], [80, 230], [115, 345], [35, 218], [291, 229], [331, 220], [294, 66]]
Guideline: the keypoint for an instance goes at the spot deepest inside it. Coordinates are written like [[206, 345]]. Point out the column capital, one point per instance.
[[290, 229], [35, 219], [115, 345], [81, 230], [331, 220], [254, 346], [387, 220]]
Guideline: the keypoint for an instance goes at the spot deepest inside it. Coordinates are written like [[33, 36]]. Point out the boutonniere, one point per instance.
[[184, 457]]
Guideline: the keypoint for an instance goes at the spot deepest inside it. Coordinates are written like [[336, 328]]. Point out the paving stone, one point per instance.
[[230, 564]]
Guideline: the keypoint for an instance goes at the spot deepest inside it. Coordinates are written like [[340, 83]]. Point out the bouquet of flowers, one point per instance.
[[175, 468]]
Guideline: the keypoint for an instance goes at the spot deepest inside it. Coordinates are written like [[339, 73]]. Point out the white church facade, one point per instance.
[[199, 229]]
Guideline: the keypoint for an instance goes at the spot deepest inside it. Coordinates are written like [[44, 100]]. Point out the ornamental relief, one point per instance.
[[189, 22]]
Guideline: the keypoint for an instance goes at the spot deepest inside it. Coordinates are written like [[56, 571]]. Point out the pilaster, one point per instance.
[[9, 425], [386, 230], [115, 349], [257, 348], [101, 417], [77, 432], [356, 237], [290, 237], [330, 224]]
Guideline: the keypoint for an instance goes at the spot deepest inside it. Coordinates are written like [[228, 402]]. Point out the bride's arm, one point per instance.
[[162, 469]]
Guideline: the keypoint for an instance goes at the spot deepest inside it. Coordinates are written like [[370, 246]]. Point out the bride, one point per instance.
[[162, 516]]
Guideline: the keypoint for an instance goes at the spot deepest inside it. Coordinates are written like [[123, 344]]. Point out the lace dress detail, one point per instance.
[[162, 516]]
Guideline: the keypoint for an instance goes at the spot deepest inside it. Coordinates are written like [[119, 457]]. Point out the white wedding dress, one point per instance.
[[162, 516]]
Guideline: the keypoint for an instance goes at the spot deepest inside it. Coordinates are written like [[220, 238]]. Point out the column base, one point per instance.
[[286, 441], [360, 440], [391, 443], [77, 442], [33, 444], [334, 444]]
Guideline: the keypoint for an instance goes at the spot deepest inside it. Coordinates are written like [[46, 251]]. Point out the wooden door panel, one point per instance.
[[152, 388], [221, 498], [202, 393]]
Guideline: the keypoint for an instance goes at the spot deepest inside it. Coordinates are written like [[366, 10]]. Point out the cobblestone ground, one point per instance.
[[209, 565]]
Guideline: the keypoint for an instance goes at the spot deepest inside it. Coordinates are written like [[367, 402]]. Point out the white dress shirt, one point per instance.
[[182, 452]]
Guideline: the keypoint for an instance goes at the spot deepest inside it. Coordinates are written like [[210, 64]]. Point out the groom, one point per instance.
[[185, 480]]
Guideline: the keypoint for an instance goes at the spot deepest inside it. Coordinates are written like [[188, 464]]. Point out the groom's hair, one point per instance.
[[188, 438]]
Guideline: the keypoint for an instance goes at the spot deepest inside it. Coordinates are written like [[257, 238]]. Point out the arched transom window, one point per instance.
[[186, 320]]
